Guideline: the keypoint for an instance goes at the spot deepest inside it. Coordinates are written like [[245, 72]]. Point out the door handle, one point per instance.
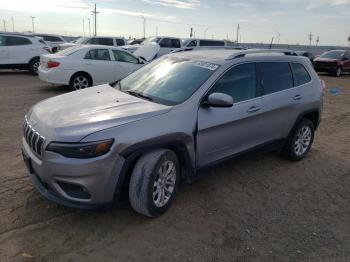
[[253, 109], [297, 97]]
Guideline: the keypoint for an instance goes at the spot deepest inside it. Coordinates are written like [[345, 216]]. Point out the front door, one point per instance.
[[223, 132]]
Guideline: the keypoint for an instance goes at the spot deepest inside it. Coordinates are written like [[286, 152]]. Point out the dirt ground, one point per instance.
[[260, 208]]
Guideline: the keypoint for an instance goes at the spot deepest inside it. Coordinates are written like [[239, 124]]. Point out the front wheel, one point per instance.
[[154, 182], [338, 71], [300, 141]]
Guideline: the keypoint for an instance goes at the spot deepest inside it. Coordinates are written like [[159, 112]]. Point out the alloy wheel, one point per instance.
[[164, 184], [302, 140]]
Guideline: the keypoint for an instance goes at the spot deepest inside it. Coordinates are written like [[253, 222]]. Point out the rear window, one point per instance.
[[68, 51], [301, 76], [170, 43], [52, 38], [100, 41], [276, 76]]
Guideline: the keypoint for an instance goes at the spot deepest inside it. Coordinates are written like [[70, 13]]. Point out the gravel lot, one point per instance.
[[260, 208]]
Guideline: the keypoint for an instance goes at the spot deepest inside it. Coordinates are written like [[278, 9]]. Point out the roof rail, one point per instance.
[[243, 53]]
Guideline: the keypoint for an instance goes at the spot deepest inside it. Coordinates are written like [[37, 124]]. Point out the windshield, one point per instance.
[[151, 40], [333, 55], [81, 40], [168, 80]]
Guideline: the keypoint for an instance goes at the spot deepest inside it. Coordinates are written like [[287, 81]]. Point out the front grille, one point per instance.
[[33, 138]]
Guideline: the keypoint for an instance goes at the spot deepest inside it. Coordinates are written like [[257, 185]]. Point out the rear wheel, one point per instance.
[[80, 81], [154, 182], [34, 65], [300, 141]]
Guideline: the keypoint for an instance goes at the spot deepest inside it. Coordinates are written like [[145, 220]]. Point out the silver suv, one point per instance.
[[168, 120]]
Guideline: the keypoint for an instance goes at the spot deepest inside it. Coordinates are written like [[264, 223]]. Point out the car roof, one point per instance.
[[226, 56], [17, 34]]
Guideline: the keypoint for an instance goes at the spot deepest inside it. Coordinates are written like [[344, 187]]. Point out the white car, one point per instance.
[[167, 44], [19, 51], [95, 40], [87, 65], [200, 43], [52, 40]]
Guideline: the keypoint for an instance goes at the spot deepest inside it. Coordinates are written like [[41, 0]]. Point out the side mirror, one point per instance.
[[219, 100]]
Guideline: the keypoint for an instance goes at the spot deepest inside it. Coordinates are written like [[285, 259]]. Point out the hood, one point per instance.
[[147, 52], [70, 117]]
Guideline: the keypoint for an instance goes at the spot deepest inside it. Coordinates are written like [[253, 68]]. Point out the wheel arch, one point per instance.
[[313, 115], [33, 58]]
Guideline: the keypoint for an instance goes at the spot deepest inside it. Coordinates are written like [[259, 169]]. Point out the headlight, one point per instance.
[[81, 150]]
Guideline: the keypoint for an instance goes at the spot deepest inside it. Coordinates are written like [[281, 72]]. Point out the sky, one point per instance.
[[287, 21]]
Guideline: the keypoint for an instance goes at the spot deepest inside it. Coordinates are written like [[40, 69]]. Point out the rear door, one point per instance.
[[4, 58], [223, 132], [280, 100], [124, 64], [98, 63], [20, 49]]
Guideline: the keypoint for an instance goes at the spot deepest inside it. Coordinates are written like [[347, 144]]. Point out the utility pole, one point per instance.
[[310, 38], [156, 30], [237, 32], [95, 13], [271, 43], [32, 17], [279, 37], [205, 32], [144, 26], [84, 27], [4, 23], [191, 32], [89, 27], [317, 40], [13, 24]]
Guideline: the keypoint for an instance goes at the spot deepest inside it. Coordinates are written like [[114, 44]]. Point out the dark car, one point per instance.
[[333, 62], [306, 54]]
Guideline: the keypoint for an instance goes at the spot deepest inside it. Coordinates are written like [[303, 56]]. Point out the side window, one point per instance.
[[166, 42], [276, 76], [2, 40], [92, 41], [98, 54], [176, 43], [124, 57], [347, 55], [211, 43], [192, 43], [239, 82], [105, 41], [15, 40], [120, 42], [301, 76]]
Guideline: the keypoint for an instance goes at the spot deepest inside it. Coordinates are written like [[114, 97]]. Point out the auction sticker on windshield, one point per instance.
[[206, 65]]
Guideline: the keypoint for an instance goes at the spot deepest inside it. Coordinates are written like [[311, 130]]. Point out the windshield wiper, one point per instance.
[[133, 93]]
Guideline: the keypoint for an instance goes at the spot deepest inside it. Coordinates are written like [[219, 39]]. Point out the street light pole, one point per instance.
[[32, 17], [4, 23], [144, 26], [89, 27]]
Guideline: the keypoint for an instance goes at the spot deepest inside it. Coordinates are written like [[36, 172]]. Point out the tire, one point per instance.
[[337, 72], [300, 141], [34, 65], [80, 81], [144, 189]]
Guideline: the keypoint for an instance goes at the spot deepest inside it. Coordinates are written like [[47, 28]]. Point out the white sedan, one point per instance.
[[87, 65]]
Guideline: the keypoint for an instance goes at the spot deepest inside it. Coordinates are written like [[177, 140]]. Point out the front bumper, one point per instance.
[[97, 177]]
